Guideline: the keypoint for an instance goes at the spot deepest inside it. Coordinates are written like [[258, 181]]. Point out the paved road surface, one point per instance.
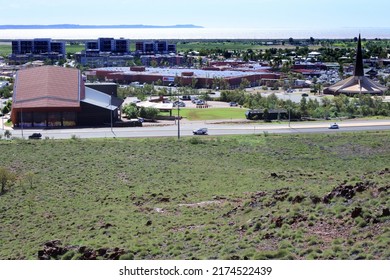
[[214, 128]]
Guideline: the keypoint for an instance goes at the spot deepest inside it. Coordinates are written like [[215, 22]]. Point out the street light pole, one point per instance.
[[111, 112], [289, 111], [21, 120], [178, 117]]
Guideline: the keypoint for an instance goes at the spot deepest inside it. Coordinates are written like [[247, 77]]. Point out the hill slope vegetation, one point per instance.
[[237, 197]]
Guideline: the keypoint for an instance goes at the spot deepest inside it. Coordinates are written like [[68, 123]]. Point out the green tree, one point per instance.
[[130, 110], [137, 61], [286, 67], [205, 96], [194, 82], [200, 61], [326, 102], [6, 92], [245, 83], [154, 63], [149, 113], [303, 106], [7, 107], [266, 114], [341, 69], [30, 176], [7, 178]]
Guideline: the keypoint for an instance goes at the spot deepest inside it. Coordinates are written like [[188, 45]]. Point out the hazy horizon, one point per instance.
[[209, 14], [193, 33]]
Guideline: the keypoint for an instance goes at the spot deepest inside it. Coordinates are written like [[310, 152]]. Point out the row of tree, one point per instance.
[[330, 107], [329, 52], [132, 111], [339, 106]]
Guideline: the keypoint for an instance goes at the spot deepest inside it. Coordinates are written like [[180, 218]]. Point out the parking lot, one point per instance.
[[211, 104]]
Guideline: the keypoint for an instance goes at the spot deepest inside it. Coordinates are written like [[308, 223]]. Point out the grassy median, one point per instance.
[[234, 197]]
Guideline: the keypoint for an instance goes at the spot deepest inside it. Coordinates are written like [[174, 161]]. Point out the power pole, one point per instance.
[[178, 118]]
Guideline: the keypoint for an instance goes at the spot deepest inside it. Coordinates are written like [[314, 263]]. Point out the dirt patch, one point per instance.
[[201, 204], [185, 228], [328, 232]]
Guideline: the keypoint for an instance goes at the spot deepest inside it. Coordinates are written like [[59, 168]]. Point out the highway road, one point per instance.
[[214, 128]]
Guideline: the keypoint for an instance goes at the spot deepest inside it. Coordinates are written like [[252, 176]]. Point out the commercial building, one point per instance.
[[108, 45], [105, 52], [52, 96], [109, 52], [186, 77], [36, 49], [104, 59], [154, 47]]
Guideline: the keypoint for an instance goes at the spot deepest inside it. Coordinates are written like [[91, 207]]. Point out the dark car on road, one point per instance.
[[35, 136], [334, 126], [200, 131]]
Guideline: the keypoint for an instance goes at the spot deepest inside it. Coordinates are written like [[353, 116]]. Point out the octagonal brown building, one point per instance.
[[52, 96]]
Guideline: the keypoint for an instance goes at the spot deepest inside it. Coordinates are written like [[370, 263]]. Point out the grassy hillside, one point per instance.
[[237, 197]]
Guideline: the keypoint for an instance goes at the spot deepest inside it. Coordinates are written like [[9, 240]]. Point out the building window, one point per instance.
[[69, 119], [54, 119], [25, 119], [39, 119]]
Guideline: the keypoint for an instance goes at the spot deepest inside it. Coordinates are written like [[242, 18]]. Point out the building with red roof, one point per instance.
[[52, 96]]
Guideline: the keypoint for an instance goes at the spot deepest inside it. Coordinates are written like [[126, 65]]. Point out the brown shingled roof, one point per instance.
[[48, 87]]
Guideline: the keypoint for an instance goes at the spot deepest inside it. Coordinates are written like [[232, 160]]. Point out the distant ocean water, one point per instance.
[[195, 33]]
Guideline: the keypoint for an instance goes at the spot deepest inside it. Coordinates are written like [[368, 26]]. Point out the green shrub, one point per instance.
[[271, 255], [68, 255], [128, 256], [360, 222], [196, 141]]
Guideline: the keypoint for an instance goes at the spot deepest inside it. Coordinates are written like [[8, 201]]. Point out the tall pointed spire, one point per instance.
[[358, 83], [359, 72]]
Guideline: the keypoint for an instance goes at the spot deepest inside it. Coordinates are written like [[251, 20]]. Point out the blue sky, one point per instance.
[[297, 14]]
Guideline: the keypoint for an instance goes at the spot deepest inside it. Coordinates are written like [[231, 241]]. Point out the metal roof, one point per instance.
[[101, 99], [198, 73]]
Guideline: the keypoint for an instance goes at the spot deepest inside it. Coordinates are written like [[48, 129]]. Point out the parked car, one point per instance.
[[179, 103], [305, 95], [200, 102], [334, 126], [35, 136], [200, 131], [233, 104], [186, 97]]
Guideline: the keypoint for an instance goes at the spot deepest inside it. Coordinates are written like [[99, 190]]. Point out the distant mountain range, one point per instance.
[[77, 26]]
